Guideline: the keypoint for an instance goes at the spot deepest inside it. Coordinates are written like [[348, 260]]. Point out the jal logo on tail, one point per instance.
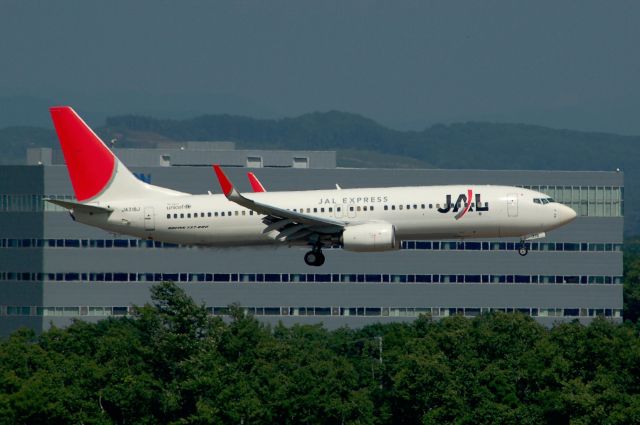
[[463, 204]]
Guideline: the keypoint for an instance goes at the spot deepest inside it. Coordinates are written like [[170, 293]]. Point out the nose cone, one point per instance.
[[566, 214]]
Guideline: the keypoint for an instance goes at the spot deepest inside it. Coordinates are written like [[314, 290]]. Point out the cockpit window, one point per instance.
[[543, 201]]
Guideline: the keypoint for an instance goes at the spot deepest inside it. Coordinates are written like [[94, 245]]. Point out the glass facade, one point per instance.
[[409, 245], [569, 312], [587, 201], [185, 277]]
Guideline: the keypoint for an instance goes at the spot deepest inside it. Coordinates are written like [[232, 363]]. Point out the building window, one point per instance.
[[300, 162], [254, 162]]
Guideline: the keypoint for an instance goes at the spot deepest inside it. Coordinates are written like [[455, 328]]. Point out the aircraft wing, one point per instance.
[[291, 225]]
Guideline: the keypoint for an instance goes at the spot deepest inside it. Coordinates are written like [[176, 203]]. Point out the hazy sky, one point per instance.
[[406, 64]]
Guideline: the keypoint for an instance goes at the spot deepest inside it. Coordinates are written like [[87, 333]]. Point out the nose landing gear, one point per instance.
[[314, 257], [523, 249]]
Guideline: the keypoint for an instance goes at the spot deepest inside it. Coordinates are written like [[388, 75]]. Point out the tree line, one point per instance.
[[172, 362]]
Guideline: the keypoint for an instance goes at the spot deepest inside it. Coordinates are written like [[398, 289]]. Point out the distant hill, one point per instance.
[[14, 142], [363, 142], [464, 145]]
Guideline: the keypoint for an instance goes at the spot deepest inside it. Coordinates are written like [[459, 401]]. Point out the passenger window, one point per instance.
[[364, 208], [321, 209], [386, 207], [422, 206], [338, 209], [393, 207], [330, 209], [208, 214], [222, 214], [175, 216], [236, 213], [430, 206], [250, 212], [350, 208], [182, 215], [358, 208], [399, 207], [215, 213], [168, 215], [189, 215], [315, 210], [244, 212], [371, 208]]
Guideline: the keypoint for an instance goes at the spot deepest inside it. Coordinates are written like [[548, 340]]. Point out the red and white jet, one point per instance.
[[110, 197]]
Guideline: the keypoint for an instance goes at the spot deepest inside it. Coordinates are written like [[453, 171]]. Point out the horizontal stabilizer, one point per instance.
[[76, 206]]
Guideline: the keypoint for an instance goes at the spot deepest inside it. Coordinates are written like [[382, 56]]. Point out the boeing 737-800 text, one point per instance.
[[110, 197]]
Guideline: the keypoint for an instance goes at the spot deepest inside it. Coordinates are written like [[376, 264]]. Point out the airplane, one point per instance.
[[374, 219]]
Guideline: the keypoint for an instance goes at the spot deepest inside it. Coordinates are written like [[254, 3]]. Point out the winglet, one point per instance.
[[225, 184], [255, 183]]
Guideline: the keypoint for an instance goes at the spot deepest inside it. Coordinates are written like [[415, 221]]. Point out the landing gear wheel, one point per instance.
[[314, 258], [310, 258], [524, 249]]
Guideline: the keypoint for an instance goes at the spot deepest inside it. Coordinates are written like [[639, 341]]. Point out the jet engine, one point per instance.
[[369, 237]]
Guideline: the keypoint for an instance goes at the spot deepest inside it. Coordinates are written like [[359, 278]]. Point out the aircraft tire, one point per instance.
[[311, 258], [523, 250]]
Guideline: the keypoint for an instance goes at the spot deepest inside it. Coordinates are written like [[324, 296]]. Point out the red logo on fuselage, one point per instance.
[[463, 204]]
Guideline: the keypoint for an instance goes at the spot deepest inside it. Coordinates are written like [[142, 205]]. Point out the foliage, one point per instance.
[[631, 293], [173, 363]]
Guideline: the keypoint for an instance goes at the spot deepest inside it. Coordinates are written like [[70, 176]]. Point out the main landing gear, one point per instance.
[[523, 249], [314, 257]]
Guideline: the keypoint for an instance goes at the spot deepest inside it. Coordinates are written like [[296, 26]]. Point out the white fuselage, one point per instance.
[[417, 213]]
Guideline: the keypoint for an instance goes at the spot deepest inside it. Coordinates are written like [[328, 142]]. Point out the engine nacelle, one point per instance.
[[370, 237]]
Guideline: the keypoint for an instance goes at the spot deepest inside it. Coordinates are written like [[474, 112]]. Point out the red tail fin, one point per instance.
[[90, 163]]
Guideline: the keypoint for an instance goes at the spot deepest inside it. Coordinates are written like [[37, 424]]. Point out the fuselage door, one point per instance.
[[512, 204], [149, 219]]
